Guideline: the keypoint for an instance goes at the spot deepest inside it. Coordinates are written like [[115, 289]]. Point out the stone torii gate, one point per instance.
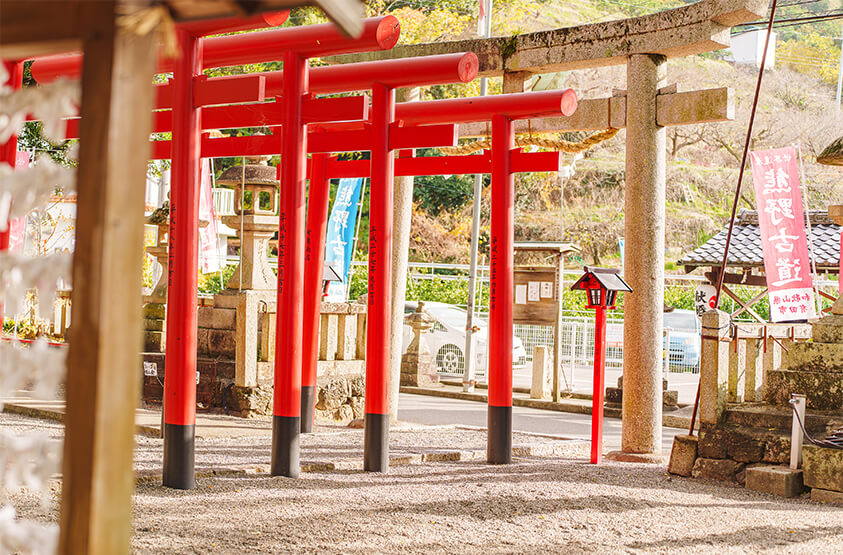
[[643, 44]]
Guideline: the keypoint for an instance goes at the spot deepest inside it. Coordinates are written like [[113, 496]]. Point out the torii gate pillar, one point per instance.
[[644, 230]]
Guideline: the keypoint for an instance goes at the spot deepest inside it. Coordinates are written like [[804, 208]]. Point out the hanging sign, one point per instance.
[[781, 219], [339, 244]]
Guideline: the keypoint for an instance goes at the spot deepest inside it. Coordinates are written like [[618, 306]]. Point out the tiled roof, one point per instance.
[[745, 250]]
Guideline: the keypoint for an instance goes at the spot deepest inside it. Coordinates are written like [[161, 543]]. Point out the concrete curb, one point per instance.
[[574, 405], [57, 415]]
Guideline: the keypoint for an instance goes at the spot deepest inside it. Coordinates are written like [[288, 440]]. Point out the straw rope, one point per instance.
[[532, 140], [143, 21]]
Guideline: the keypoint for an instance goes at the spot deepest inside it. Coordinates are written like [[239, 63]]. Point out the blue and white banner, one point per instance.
[[339, 243]]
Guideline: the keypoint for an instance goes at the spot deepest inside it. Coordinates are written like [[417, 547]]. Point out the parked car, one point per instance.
[[446, 338], [684, 330]]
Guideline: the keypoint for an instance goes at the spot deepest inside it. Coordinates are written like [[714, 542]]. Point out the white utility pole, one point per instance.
[[840, 72], [484, 25]]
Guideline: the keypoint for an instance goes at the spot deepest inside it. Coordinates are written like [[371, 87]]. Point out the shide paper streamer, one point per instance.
[[30, 460]]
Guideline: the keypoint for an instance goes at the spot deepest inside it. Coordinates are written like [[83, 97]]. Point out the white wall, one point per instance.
[[748, 48]]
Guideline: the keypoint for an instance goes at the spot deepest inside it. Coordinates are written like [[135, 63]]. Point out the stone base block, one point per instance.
[[155, 311], [217, 318], [646, 458], [828, 329], [826, 496], [725, 470], [670, 398], [823, 389], [154, 341], [153, 324], [823, 467], [252, 401], [418, 370], [614, 396], [778, 480], [814, 357], [683, 455]]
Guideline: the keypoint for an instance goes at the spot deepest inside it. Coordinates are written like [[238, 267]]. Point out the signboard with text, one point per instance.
[[535, 295], [781, 220]]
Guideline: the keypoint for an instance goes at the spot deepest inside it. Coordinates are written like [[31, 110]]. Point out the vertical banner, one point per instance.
[[209, 250], [339, 243], [787, 264]]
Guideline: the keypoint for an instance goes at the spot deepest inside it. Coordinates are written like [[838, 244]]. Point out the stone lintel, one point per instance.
[[597, 114], [704, 106], [692, 29]]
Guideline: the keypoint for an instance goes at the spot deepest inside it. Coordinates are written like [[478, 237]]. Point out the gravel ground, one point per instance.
[[534, 505]]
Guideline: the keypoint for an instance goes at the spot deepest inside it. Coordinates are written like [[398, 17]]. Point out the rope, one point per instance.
[[529, 140], [834, 440], [143, 21]]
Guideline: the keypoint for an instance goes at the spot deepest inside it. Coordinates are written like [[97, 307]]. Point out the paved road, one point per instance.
[[423, 409]]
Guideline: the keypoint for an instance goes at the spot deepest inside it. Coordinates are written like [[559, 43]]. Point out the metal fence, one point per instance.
[[577, 348]]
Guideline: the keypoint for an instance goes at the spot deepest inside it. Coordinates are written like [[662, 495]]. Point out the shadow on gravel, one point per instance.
[[760, 537]]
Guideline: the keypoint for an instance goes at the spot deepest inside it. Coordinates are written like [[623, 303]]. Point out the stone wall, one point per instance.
[[340, 385], [745, 384]]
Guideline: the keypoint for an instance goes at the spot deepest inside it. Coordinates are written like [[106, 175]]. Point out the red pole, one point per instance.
[[314, 258], [286, 422], [180, 362], [376, 441], [9, 153], [499, 440], [597, 398]]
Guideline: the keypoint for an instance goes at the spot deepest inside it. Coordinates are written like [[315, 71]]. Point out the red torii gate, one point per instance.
[[382, 137], [502, 161]]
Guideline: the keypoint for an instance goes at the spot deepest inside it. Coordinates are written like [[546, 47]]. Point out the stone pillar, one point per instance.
[[644, 230], [402, 215], [714, 367]]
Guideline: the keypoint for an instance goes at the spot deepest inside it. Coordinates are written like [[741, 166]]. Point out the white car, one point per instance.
[[446, 338]]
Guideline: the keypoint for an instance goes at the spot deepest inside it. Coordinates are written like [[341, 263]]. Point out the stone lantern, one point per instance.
[[254, 224], [417, 365], [160, 218]]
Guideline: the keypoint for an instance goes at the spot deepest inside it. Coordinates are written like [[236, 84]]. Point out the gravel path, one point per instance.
[[535, 505]]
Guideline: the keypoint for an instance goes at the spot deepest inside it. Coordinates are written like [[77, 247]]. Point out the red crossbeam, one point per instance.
[[427, 136], [265, 114], [380, 33], [521, 162]]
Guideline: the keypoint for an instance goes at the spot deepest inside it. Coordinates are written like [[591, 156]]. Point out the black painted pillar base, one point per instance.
[[376, 443], [499, 438], [307, 408], [285, 446], [178, 456]]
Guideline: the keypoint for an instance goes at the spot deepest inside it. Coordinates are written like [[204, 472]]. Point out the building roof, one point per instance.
[[745, 250]]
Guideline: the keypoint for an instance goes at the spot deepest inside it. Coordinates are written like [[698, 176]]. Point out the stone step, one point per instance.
[[744, 444], [823, 389], [823, 467], [777, 418], [814, 357], [828, 329]]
